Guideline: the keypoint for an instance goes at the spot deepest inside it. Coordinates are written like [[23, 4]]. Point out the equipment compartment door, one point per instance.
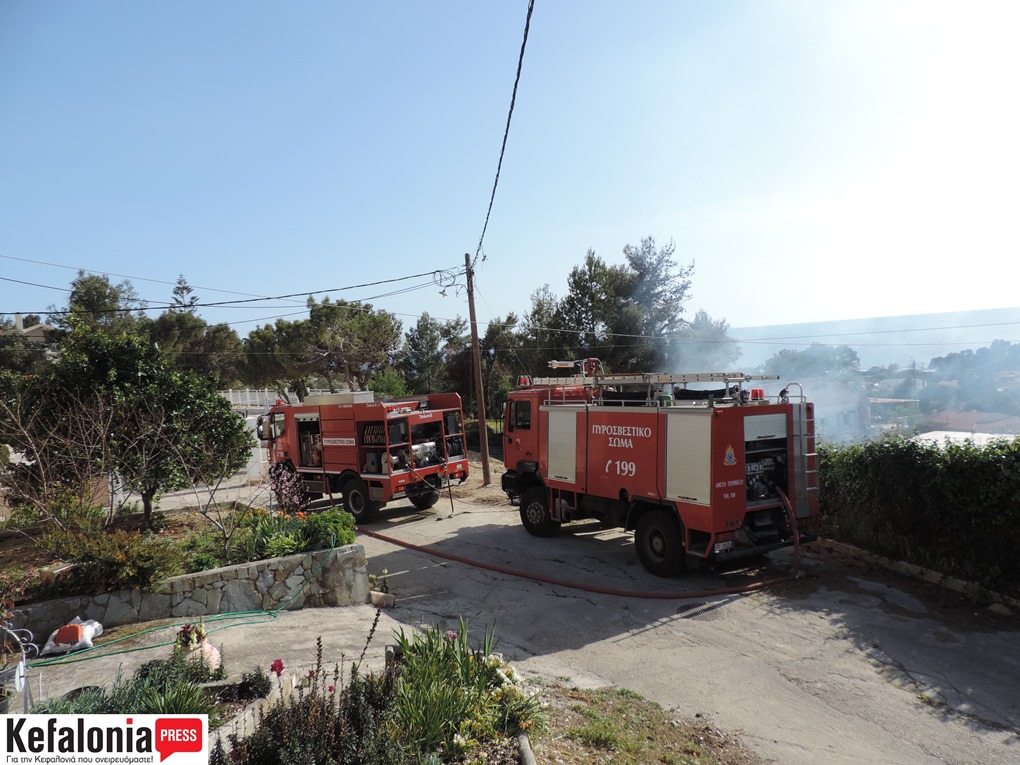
[[562, 445], [689, 456], [764, 427]]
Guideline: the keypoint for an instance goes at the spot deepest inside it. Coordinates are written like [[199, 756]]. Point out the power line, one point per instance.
[[33, 284], [122, 276], [352, 305], [318, 292], [506, 131], [264, 318], [435, 274]]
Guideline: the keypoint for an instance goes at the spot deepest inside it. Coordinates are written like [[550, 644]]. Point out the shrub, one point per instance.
[[279, 545], [156, 687], [181, 667], [204, 551], [288, 487], [263, 535], [450, 696], [12, 587], [953, 507], [445, 702], [253, 685], [330, 528], [178, 699], [113, 559], [65, 503], [323, 722]]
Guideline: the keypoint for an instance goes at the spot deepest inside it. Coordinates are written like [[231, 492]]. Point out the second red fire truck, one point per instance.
[[367, 450], [699, 475]]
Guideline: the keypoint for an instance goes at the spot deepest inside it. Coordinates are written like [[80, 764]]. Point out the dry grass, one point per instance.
[[612, 726]]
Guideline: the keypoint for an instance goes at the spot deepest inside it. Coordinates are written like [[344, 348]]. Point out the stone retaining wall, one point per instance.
[[263, 585]]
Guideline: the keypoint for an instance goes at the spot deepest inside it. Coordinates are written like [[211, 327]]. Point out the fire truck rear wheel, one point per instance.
[[660, 543], [356, 501], [535, 513], [425, 500]]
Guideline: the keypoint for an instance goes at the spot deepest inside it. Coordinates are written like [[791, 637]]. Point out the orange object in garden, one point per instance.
[[69, 634], [371, 451], [700, 468]]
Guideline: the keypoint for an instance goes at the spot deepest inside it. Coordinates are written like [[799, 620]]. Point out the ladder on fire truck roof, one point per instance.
[[650, 378]]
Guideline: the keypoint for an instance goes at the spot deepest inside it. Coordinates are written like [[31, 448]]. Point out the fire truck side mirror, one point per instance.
[[260, 430]]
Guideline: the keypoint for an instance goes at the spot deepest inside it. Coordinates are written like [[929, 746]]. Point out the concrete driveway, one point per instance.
[[844, 665]]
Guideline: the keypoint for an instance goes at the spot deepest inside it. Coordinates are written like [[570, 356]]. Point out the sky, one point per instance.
[[816, 161]]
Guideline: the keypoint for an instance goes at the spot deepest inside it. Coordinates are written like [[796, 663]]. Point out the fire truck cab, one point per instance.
[[370, 451], [699, 475]]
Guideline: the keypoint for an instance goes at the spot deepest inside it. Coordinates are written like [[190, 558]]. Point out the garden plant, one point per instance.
[[444, 701]]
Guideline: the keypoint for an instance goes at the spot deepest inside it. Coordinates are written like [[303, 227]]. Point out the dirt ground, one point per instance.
[[473, 489]]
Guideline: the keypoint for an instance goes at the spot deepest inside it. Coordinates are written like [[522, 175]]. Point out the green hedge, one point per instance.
[[950, 507]]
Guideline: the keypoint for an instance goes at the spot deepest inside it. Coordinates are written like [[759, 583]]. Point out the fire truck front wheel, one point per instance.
[[660, 542], [356, 501], [535, 513]]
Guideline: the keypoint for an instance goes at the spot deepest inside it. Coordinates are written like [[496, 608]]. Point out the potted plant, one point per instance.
[[192, 641], [191, 637], [379, 590]]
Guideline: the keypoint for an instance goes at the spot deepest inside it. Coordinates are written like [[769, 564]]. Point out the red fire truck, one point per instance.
[[699, 475], [370, 451]]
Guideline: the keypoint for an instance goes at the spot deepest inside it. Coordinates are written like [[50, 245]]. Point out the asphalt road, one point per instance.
[[844, 665]]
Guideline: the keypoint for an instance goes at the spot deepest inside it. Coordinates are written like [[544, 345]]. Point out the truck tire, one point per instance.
[[356, 501], [424, 500], [660, 542], [535, 513]]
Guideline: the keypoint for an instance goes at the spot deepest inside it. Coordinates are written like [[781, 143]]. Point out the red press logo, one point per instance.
[[105, 739]]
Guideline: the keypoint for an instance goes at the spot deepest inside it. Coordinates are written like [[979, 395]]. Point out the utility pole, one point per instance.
[[476, 362]]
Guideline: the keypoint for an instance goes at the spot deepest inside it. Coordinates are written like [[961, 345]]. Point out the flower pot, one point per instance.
[[206, 652], [382, 599]]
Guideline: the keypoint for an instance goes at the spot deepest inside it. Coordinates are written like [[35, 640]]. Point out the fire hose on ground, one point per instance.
[[735, 590]]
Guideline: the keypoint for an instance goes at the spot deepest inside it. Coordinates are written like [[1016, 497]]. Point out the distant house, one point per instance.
[[37, 334], [940, 437], [977, 422]]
